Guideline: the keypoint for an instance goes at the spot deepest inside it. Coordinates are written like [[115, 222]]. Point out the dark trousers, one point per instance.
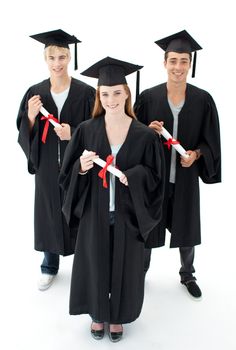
[[50, 264], [186, 253], [187, 269], [186, 258]]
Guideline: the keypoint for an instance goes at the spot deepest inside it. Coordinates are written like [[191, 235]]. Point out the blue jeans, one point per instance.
[[50, 264]]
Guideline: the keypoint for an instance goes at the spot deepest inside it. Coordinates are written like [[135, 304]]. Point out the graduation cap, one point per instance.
[[58, 38], [110, 71], [180, 42]]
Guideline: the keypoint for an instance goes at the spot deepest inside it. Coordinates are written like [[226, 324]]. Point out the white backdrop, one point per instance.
[[125, 30]]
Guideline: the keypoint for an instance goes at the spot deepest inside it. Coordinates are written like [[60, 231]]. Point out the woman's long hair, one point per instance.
[[98, 110]]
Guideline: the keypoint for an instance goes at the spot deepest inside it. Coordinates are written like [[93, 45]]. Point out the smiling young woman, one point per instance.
[[114, 221]]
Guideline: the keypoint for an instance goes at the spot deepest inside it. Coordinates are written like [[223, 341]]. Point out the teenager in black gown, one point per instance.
[[70, 101], [114, 222], [190, 115]]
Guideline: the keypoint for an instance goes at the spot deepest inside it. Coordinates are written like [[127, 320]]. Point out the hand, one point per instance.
[[64, 133], [156, 126], [86, 161], [187, 162], [124, 180], [34, 105]]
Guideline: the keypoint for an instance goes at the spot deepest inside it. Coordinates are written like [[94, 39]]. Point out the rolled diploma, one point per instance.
[[46, 114], [178, 147], [102, 163]]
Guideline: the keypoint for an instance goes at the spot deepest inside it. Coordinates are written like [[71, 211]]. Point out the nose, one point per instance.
[[111, 99], [56, 62], [178, 65]]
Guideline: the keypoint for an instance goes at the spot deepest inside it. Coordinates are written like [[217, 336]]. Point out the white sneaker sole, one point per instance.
[[43, 287]]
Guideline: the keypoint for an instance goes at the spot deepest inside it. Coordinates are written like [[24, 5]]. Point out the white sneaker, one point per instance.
[[45, 281]]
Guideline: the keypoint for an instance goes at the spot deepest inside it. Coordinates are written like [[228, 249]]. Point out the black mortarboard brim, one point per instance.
[[180, 42], [58, 38], [110, 71]]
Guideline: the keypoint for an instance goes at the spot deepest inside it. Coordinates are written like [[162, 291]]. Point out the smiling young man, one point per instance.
[[190, 116], [70, 101]]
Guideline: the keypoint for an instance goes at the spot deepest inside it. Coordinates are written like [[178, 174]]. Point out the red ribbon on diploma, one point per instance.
[[170, 142], [103, 171], [46, 126]]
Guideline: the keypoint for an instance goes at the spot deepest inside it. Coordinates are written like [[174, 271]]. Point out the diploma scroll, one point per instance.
[[47, 114], [102, 164], [174, 143]]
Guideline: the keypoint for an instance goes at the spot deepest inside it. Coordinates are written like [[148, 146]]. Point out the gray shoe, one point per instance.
[[45, 281]]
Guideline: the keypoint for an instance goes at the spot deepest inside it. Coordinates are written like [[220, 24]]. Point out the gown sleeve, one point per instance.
[[84, 112], [140, 108], [146, 186], [210, 161], [28, 140], [74, 186]]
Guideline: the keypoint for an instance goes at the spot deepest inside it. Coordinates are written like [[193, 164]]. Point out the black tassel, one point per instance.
[[194, 64], [76, 63], [137, 84]]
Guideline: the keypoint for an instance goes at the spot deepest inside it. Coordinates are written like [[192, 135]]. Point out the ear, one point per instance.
[[45, 55]]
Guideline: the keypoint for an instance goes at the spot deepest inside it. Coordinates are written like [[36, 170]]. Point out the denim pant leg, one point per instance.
[[187, 269], [50, 264]]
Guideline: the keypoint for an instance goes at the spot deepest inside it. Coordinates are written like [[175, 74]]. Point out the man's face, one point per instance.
[[177, 66], [57, 59]]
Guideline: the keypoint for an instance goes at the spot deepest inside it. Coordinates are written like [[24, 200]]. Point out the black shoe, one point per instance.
[[193, 289], [115, 336], [97, 334]]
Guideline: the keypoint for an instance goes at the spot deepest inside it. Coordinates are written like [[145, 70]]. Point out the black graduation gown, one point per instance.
[[198, 127], [137, 213], [51, 231]]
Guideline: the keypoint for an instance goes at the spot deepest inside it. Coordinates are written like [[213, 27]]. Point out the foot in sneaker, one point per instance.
[[45, 281]]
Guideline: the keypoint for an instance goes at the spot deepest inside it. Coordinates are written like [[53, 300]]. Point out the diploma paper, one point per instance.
[[46, 114], [102, 163], [178, 147]]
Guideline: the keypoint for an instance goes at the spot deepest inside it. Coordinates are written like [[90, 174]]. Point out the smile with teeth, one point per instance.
[[112, 106]]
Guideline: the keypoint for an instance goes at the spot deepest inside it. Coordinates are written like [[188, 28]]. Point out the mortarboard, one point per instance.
[[110, 71], [180, 42], [58, 38]]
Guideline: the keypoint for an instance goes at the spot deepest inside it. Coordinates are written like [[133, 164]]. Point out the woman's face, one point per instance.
[[57, 59], [113, 98]]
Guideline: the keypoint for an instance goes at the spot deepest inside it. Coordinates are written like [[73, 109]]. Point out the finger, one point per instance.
[[35, 97], [89, 155], [87, 167]]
